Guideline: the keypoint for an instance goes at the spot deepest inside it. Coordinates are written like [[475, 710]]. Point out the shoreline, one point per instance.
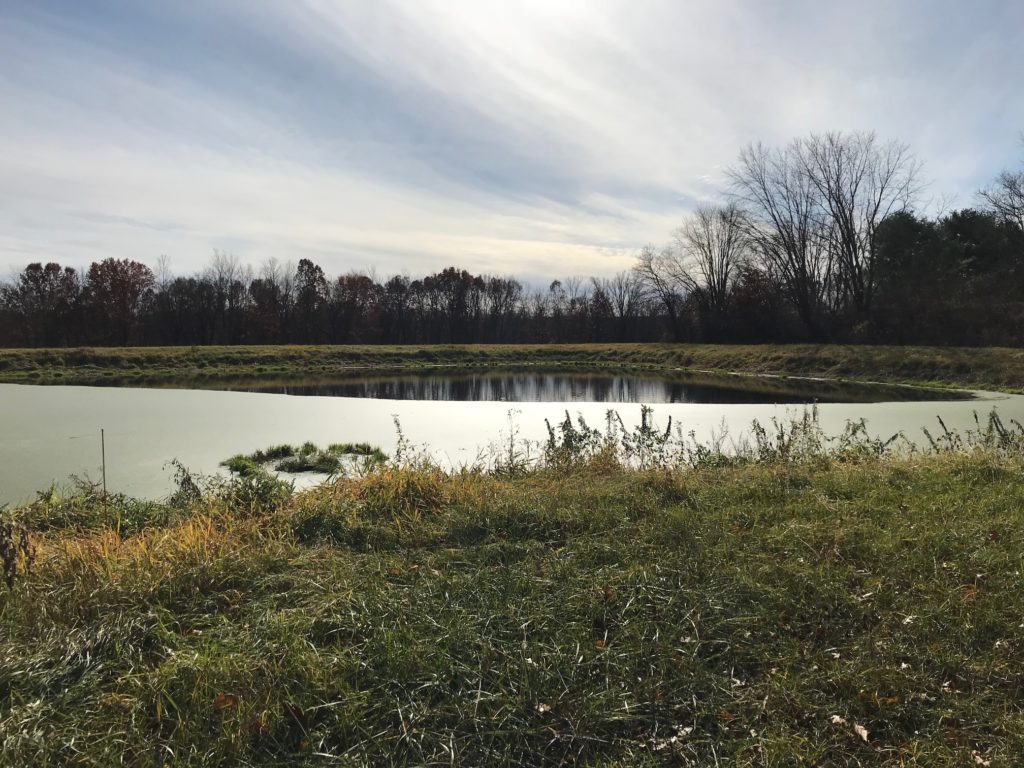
[[992, 369]]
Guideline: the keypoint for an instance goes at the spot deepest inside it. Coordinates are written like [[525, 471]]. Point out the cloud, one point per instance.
[[540, 138]]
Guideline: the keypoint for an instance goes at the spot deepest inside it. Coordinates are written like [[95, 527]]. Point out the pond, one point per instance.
[[48, 433], [584, 387]]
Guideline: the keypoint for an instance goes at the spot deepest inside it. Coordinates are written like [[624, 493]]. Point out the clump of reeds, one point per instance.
[[573, 443], [306, 458]]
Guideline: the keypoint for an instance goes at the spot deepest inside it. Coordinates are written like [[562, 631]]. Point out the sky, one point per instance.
[[539, 138]]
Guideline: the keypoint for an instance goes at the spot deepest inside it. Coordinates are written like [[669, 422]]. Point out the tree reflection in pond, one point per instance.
[[505, 386]]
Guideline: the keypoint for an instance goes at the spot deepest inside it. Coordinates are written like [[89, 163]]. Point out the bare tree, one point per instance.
[[230, 280], [577, 296], [162, 272], [785, 227], [711, 247], [537, 308], [654, 272], [860, 182], [624, 291], [1005, 197], [224, 268], [577, 291]]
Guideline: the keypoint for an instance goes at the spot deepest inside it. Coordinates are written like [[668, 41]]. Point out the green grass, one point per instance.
[[992, 368], [750, 610]]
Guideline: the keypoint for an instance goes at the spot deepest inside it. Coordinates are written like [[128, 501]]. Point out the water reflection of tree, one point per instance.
[[541, 387]]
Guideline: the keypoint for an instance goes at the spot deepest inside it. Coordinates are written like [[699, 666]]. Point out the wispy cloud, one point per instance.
[[543, 137]]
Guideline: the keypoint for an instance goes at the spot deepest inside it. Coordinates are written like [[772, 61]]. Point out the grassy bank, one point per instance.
[[992, 368], [786, 607]]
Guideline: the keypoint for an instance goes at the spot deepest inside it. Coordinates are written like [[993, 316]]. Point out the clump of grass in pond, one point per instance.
[[357, 449], [307, 457], [272, 453], [244, 466]]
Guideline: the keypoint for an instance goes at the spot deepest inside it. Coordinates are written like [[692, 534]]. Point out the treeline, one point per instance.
[[817, 240], [122, 302]]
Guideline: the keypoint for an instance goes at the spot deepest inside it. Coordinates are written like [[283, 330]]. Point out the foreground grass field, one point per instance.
[[790, 607], [991, 368]]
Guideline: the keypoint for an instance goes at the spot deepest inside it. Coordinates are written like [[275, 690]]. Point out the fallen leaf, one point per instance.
[[225, 701], [861, 731], [259, 726]]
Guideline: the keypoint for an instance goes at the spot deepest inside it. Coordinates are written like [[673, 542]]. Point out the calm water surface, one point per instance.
[[48, 433], [548, 387]]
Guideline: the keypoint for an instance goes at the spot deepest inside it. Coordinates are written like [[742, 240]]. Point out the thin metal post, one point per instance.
[[103, 451]]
